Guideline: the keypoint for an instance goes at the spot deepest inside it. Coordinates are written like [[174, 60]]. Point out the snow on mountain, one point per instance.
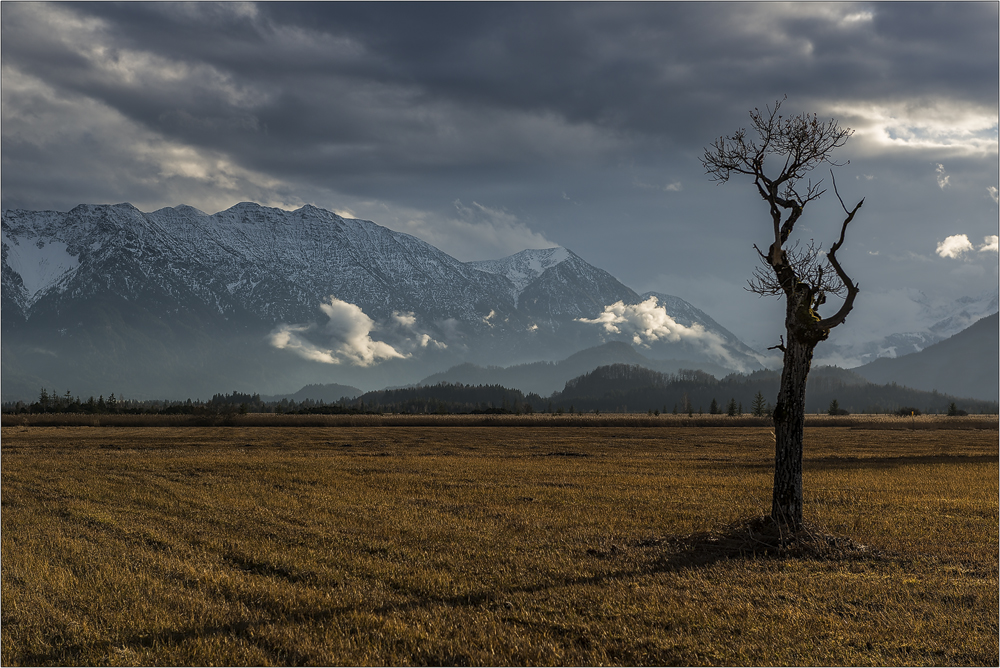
[[523, 268], [275, 266], [278, 265], [40, 263], [955, 316], [126, 294], [571, 289]]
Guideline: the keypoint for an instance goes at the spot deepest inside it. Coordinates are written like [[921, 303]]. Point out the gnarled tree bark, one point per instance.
[[804, 278]]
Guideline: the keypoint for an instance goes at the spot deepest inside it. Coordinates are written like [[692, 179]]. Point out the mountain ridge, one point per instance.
[[184, 302], [102, 290], [964, 364]]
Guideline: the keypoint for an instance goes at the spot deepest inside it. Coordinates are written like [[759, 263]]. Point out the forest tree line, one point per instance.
[[616, 388]]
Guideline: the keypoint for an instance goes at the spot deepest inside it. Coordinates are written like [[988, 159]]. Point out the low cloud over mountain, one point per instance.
[[647, 322], [346, 337]]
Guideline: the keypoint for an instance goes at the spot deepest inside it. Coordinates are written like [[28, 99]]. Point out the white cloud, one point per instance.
[[674, 187], [942, 177], [425, 341], [647, 322], [941, 124], [408, 319], [859, 17], [348, 331], [994, 194], [954, 246], [409, 336], [958, 245]]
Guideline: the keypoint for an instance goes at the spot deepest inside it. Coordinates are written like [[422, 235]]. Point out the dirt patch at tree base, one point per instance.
[[761, 537]]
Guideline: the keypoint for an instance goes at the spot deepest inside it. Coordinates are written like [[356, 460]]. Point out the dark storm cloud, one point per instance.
[[637, 67], [563, 121], [302, 87]]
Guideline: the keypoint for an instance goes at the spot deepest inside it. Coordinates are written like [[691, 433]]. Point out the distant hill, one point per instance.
[[544, 378], [624, 388], [447, 398], [329, 393], [964, 365]]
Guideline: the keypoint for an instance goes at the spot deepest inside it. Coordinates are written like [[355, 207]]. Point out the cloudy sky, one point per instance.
[[488, 128]]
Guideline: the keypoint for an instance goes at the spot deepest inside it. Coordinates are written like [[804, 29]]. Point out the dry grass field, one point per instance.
[[492, 545]]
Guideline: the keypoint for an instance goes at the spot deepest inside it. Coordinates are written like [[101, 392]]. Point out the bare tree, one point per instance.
[[805, 276]]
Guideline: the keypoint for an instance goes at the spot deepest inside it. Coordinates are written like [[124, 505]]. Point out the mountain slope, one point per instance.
[[178, 302], [964, 365], [277, 265], [934, 321]]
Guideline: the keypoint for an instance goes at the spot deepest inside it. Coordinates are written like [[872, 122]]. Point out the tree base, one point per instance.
[[763, 537]]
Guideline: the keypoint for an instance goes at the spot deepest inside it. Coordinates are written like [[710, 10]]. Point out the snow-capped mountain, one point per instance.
[[277, 265], [269, 300]]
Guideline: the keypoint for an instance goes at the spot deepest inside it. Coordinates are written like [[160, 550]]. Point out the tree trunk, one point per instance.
[[789, 421]]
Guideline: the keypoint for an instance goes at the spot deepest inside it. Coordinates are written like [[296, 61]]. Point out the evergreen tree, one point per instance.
[[758, 405], [713, 408]]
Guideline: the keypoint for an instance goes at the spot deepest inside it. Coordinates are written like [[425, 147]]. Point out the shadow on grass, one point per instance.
[[757, 538], [748, 539]]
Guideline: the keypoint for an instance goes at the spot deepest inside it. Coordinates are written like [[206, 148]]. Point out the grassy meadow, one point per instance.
[[505, 544]]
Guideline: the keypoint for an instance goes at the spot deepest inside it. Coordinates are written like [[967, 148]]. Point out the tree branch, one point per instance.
[[852, 288], [798, 144]]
